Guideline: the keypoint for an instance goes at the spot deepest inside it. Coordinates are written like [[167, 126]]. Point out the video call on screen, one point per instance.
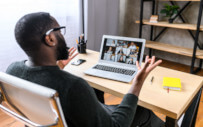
[[121, 51]]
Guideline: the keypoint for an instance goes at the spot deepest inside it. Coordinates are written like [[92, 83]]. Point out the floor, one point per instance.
[[7, 121]]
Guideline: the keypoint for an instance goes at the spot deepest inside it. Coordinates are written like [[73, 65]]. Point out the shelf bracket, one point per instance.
[[164, 29], [179, 14], [196, 40]]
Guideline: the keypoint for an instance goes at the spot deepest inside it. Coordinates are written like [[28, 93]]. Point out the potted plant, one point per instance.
[[170, 11]]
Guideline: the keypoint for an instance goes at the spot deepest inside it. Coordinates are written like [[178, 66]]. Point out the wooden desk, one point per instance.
[[153, 97]]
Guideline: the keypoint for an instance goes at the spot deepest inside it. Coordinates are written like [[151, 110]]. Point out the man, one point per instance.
[[121, 59], [132, 46], [109, 54], [120, 52], [130, 61], [39, 35]]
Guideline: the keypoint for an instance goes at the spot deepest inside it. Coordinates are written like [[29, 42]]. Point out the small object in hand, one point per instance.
[[168, 90], [152, 80], [154, 19]]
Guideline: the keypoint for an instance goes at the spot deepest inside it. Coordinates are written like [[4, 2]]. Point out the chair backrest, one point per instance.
[[30, 103]]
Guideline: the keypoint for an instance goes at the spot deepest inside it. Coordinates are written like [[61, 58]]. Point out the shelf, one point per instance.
[[172, 25], [176, 25], [173, 49]]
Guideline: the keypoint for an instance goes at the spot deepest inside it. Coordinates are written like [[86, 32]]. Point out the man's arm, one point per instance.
[[127, 108], [140, 77], [85, 110]]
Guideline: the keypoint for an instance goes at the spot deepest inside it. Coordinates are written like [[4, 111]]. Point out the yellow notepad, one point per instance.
[[171, 83]]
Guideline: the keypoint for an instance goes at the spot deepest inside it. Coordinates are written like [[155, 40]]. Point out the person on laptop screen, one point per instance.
[[39, 35], [122, 59], [125, 51], [108, 55], [132, 46], [111, 43], [130, 61]]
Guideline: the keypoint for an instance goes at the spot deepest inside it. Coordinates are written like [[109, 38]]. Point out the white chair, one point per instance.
[[30, 103]]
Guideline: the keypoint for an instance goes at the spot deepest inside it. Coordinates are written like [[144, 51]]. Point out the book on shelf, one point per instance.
[[154, 19], [172, 83]]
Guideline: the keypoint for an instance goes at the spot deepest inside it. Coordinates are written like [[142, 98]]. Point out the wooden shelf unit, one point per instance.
[[195, 52], [173, 49], [172, 25]]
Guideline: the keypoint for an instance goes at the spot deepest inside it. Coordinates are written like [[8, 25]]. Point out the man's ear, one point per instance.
[[50, 40]]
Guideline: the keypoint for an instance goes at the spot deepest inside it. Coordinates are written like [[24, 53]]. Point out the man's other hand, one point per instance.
[[142, 73], [63, 63]]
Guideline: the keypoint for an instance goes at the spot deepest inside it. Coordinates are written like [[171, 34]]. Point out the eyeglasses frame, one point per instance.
[[55, 29]]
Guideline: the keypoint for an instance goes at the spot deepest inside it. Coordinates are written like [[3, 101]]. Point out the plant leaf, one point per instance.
[[175, 12], [169, 10], [163, 11]]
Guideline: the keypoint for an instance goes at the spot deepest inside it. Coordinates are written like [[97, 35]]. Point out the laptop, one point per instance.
[[118, 56]]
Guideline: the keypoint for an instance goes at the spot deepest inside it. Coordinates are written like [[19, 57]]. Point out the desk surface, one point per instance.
[[154, 97]]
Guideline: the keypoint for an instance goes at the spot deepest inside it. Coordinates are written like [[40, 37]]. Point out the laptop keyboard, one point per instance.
[[115, 70]]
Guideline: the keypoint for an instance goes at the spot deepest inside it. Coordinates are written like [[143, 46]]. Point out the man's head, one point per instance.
[[121, 58], [36, 33], [110, 48]]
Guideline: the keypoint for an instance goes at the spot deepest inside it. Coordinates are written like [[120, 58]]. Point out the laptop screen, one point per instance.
[[121, 51]]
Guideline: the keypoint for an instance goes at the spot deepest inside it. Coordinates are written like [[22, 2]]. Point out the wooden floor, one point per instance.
[[7, 121]]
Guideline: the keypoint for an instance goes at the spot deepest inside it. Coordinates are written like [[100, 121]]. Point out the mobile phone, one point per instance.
[[78, 62]]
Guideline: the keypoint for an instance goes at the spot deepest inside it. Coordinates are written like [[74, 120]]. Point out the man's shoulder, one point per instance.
[[65, 81], [15, 66], [16, 63], [48, 73], [67, 75], [52, 73]]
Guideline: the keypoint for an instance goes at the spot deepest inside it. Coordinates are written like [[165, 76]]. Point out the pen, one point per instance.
[[82, 39], [152, 79]]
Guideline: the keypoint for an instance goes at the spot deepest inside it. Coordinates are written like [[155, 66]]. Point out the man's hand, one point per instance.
[[63, 63], [140, 77]]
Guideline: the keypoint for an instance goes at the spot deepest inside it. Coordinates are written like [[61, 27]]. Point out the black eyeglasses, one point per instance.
[[62, 30]]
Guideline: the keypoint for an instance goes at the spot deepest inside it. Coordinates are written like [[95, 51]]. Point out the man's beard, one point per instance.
[[62, 49]]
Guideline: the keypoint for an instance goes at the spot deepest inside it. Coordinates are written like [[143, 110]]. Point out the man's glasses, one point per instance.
[[62, 30]]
